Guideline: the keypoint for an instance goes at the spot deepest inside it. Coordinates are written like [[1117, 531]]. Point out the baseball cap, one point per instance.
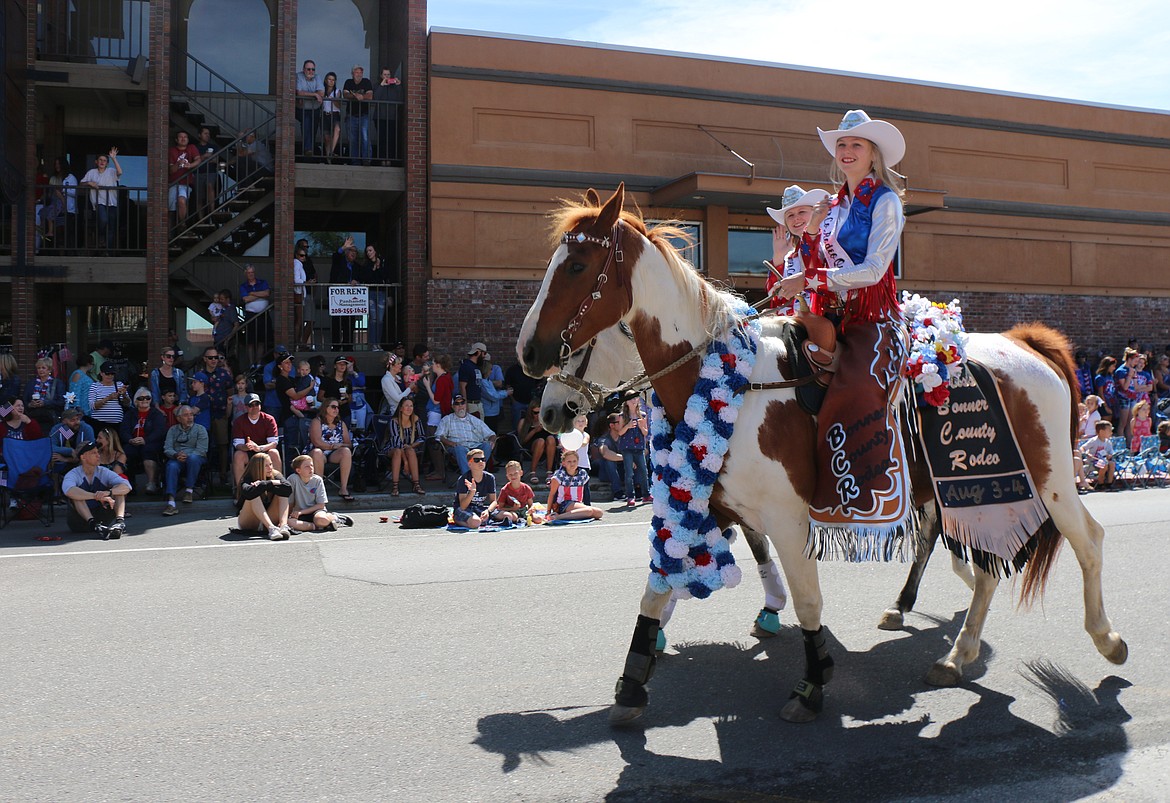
[[108, 369], [200, 376], [88, 446], [457, 398], [250, 399], [476, 346], [341, 358]]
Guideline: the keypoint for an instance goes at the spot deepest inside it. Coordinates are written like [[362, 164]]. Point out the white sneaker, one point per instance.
[[275, 534]]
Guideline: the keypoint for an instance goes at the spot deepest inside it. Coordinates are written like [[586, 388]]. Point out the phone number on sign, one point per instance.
[[349, 311]]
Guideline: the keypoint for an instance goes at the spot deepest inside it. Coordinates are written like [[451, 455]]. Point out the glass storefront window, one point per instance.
[[747, 248], [692, 251]]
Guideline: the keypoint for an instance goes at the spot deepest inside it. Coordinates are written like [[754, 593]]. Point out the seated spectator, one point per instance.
[[566, 492], [307, 504], [97, 496], [263, 497], [537, 441], [169, 407], [462, 433], [143, 434], [1164, 437], [110, 451], [610, 469], [405, 440], [1100, 455], [302, 406], [253, 433], [1142, 425], [67, 438], [200, 399], [186, 451], [330, 441], [475, 490], [516, 497], [106, 397], [15, 424], [44, 395]]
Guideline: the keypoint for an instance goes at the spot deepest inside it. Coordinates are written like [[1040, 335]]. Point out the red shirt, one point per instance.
[[515, 497], [173, 156], [260, 432], [444, 389]]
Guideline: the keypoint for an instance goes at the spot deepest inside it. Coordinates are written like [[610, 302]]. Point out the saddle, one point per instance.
[[811, 344]]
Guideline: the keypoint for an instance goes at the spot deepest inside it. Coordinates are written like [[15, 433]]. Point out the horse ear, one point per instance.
[[592, 198], [612, 210]]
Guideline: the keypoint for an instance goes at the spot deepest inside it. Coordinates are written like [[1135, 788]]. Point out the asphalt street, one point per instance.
[[184, 663]]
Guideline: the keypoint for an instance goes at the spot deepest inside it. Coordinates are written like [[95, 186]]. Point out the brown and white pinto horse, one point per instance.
[[608, 268]]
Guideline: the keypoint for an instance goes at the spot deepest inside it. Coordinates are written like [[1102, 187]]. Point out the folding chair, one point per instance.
[[27, 481]]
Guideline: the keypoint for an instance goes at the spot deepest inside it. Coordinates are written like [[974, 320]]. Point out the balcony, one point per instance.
[[107, 32]]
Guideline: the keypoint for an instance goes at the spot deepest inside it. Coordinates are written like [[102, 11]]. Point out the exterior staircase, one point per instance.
[[241, 215]]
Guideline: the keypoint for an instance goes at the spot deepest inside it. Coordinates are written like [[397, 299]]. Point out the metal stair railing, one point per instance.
[[214, 96]]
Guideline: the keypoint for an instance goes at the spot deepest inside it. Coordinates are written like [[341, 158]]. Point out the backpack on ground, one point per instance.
[[417, 517]]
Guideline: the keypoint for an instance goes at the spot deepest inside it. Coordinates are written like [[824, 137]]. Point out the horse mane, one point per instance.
[[719, 313]]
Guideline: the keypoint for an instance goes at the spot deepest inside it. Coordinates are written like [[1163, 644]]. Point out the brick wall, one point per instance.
[[491, 311], [415, 257], [284, 164], [24, 325], [1094, 323], [158, 232]]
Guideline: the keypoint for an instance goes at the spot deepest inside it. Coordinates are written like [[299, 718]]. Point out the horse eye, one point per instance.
[[576, 267]]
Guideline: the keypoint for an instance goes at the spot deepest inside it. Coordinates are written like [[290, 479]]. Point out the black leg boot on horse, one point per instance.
[[808, 698], [630, 696]]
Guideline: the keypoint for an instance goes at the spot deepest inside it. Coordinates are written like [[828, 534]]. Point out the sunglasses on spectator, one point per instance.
[[171, 356], [458, 404], [211, 356], [143, 398], [477, 460]]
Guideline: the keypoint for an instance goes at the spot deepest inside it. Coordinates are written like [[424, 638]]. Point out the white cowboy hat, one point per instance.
[[793, 197], [856, 123]]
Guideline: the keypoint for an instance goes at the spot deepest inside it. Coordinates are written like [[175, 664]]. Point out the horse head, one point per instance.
[[588, 284], [588, 375]]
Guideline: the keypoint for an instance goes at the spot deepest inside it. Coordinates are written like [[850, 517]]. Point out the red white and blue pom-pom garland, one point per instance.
[[689, 554]]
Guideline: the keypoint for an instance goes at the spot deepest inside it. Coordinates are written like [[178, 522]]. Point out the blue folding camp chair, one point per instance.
[[26, 490]]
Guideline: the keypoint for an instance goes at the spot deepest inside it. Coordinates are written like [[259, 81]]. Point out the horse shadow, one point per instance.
[[867, 744]]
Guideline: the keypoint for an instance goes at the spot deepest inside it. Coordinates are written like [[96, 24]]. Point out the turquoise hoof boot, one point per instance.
[[767, 624], [660, 644]]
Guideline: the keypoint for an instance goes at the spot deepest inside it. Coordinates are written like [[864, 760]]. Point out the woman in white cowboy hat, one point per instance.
[[793, 216], [852, 240]]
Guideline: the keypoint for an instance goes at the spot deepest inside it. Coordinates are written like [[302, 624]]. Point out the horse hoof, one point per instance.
[[1119, 654], [891, 620], [796, 711], [943, 674], [623, 715], [767, 624]]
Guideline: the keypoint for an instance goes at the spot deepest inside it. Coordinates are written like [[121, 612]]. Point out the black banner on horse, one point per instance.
[[988, 504]]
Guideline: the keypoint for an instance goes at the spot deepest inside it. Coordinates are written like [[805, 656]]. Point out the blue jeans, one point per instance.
[[608, 471], [460, 453], [192, 466], [635, 460], [377, 320], [357, 128], [309, 121], [107, 226]]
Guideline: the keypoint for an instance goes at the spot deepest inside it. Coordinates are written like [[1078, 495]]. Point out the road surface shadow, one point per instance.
[[866, 745]]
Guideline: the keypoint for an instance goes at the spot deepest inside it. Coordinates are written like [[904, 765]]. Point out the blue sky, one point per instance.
[[1114, 53]]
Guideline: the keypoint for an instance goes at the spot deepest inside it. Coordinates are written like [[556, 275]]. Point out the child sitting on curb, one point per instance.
[[516, 497], [307, 503], [566, 492], [1100, 452], [475, 492]]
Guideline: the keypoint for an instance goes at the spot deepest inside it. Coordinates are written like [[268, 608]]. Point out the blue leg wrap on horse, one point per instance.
[[631, 690], [768, 620]]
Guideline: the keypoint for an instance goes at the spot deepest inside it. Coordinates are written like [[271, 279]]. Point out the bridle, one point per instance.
[[614, 256]]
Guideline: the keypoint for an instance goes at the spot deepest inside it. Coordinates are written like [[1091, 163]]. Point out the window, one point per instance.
[[692, 252], [747, 248]]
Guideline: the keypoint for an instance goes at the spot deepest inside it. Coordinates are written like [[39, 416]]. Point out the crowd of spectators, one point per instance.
[[365, 111]]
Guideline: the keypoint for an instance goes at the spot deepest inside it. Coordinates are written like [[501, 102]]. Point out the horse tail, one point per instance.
[[1053, 347]]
